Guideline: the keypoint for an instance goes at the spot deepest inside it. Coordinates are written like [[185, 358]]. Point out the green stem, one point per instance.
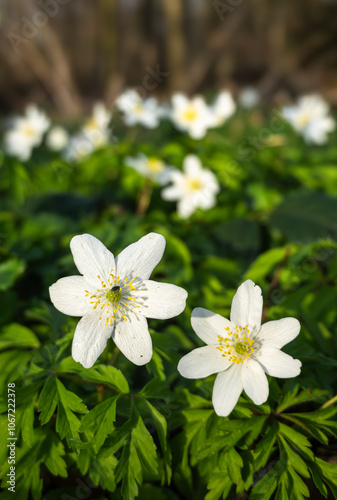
[[329, 403]]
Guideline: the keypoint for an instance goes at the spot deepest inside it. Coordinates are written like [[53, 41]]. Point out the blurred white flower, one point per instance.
[[150, 167], [114, 296], [138, 110], [240, 351], [310, 117], [79, 147], [57, 138], [249, 97], [222, 108], [195, 187], [191, 115], [96, 128], [26, 133]]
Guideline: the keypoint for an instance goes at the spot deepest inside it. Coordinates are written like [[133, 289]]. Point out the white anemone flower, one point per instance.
[[114, 296], [240, 350], [138, 110], [249, 97], [26, 133], [151, 167], [223, 107], [310, 117], [96, 128], [79, 147], [191, 115], [57, 138], [195, 187]]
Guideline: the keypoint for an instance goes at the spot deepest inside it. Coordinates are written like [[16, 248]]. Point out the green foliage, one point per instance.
[[121, 431]]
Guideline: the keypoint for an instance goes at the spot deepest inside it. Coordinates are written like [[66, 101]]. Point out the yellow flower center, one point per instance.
[[155, 166], [194, 184], [28, 130], [91, 124], [237, 346], [138, 109], [304, 119], [190, 114], [114, 298]]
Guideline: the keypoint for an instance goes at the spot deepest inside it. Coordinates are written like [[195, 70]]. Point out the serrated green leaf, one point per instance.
[[144, 443], [100, 421], [48, 400], [267, 485], [102, 470], [293, 459], [264, 447], [219, 486], [161, 427], [108, 375], [53, 452]]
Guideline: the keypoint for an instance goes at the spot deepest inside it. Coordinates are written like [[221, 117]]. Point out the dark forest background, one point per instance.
[[66, 54]]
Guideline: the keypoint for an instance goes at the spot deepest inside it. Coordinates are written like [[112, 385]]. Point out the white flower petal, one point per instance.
[[208, 325], [227, 389], [160, 300], [202, 362], [68, 295], [254, 381], [133, 339], [192, 165], [247, 306], [171, 193], [278, 364], [278, 333], [92, 258], [186, 207], [140, 258], [90, 339]]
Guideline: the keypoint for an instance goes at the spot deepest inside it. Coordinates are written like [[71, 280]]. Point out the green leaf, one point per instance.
[[265, 264], [100, 421], [306, 217], [67, 424], [219, 486], [53, 452], [102, 470], [48, 400], [267, 485], [161, 427], [108, 375], [15, 335], [54, 393], [10, 270]]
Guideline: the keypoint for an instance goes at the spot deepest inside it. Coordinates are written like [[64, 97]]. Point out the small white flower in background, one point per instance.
[[139, 110], [96, 128], [222, 108], [195, 187], [78, 148], [57, 138], [191, 115], [153, 168], [310, 117], [115, 296], [240, 350], [249, 97], [27, 132]]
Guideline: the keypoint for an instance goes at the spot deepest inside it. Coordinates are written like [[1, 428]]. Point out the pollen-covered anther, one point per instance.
[[239, 347]]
